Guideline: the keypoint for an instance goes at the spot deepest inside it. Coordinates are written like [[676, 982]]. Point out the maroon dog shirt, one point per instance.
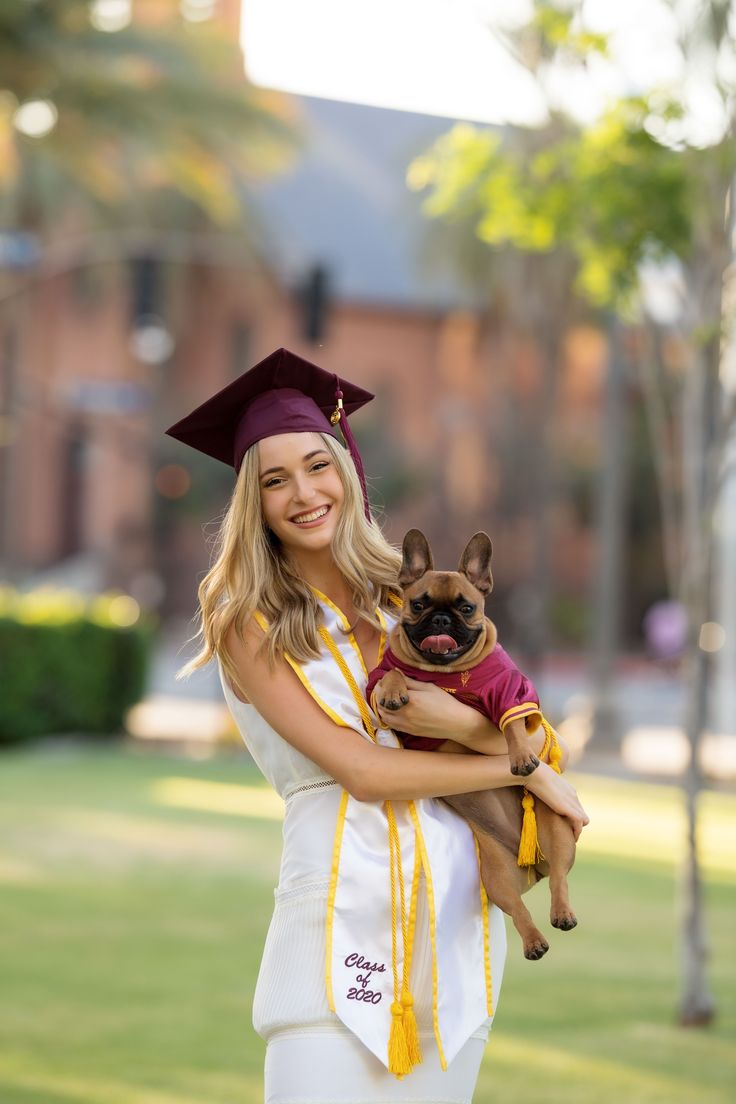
[[495, 687]]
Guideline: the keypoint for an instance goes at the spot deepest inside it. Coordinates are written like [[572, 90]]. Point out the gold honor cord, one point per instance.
[[486, 934], [403, 1044], [336, 847], [432, 932], [530, 853]]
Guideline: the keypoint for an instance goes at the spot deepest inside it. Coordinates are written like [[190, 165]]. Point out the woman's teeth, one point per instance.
[[302, 519]]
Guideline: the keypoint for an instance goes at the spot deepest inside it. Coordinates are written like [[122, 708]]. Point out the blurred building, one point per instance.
[[99, 353]]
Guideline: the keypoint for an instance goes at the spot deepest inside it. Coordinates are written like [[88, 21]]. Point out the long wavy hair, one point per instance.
[[250, 572]]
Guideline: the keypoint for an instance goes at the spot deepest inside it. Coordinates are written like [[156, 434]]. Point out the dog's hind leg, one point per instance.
[[558, 846], [503, 880]]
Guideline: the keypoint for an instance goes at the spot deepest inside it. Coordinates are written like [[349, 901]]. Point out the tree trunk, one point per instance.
[[697, 1004], [703, 445], [606, 717], [542, 498], [701, 412]]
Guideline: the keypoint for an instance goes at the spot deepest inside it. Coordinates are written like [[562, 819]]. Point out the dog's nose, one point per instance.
[[441, 622]]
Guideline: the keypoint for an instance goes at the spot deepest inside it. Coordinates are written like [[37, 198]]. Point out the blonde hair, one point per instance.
[[250, 573]]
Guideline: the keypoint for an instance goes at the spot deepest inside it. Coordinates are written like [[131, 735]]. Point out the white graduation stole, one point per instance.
[[368, 932]]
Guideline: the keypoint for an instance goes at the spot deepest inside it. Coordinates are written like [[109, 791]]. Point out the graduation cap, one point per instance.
[[282, 394]]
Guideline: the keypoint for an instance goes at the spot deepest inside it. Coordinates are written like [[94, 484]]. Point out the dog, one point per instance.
[[443, 636]]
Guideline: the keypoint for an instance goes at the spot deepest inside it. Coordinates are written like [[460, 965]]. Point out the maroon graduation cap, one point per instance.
[[282, 394]]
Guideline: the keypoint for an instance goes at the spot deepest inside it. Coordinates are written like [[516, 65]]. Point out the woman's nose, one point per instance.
[[303, 489]]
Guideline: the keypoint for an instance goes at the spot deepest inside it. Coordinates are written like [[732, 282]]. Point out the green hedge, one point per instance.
[[69, 664]]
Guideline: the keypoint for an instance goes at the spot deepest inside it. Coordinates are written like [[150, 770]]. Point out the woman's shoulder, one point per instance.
[[246, 634], [241, 643]]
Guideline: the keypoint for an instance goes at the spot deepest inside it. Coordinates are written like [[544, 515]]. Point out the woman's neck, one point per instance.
[[322, 574]]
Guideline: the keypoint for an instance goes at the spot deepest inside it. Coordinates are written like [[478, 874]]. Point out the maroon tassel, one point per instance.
[[352, 448]]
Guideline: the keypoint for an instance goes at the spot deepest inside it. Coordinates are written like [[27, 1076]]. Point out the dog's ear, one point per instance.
[[475, 562], [417, 558]]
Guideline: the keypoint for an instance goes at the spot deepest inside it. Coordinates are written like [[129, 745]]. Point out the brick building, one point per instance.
[[102, 348]]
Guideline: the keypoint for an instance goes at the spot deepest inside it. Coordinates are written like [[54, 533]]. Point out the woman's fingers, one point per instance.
[[577, 824], [557, 792], [429, 712]]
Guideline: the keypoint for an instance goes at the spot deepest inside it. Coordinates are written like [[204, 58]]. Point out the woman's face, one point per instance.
[[301, 492]]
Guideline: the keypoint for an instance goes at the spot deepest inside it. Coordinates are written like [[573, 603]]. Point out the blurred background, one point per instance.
[[513, 221]]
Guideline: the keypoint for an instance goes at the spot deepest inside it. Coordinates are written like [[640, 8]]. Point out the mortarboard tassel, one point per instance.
[[340, 416]]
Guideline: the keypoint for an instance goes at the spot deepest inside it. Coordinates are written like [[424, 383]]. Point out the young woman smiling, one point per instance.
[[383, 962]]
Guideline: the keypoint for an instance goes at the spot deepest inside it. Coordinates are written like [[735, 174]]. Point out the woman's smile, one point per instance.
[[314, 517]]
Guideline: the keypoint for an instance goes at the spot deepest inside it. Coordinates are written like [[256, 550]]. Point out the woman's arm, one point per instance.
[[369, 772], [433, 712]]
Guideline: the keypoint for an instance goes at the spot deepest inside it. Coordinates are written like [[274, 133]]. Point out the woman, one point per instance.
[[382, 960]]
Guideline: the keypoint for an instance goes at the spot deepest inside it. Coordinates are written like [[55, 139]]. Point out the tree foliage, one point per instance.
[[138, 115], [608, 195]]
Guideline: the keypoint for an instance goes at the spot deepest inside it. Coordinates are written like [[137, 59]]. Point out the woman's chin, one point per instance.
[[312, 540]]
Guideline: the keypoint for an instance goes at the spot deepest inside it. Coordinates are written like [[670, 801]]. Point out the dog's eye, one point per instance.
[[467, 610], [417, 606]]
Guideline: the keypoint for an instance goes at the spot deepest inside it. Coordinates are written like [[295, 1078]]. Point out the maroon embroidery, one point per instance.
[[364, 964], [365, 995], [360, 991]]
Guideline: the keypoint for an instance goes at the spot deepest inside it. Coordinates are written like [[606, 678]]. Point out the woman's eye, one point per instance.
[[320, 465], [272, 483]]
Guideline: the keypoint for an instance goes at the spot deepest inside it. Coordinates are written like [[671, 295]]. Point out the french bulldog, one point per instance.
[[443, 636]]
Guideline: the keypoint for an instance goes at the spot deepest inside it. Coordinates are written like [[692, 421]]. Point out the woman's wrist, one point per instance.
[[479, 734]]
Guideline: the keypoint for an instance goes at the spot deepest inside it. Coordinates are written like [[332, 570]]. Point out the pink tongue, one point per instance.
[[438, 644]]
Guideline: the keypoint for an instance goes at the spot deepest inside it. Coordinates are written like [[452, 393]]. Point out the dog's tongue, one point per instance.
[[438, 644]]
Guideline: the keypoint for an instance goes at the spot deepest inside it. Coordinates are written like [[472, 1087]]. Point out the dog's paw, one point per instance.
[[524, 767], [392, 692], [536, 949], [393, 704], [566, 921]]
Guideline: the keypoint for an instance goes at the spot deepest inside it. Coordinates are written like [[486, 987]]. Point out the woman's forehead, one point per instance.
[[285, 449]]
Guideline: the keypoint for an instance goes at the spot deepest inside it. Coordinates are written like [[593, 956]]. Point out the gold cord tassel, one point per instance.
[[411, 1033], [399, 1061], [529, 850]]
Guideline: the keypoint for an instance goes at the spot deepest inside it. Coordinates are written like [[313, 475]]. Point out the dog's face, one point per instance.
[[443, 617]]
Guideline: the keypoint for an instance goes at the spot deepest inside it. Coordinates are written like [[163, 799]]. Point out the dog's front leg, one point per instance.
[[522, 759], [391, 692]]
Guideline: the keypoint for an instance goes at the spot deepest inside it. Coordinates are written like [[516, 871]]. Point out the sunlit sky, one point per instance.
[[440, 57]]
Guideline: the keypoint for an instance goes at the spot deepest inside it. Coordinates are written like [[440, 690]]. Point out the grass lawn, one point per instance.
[[135, 890]]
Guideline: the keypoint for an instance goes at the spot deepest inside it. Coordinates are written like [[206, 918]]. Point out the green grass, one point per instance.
[[135, 891]]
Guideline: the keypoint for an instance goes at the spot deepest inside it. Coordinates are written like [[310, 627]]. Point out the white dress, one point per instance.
[[316, 1055]]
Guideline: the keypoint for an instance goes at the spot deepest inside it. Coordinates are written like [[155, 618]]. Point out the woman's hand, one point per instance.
[[557, 792], [435, 713]]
